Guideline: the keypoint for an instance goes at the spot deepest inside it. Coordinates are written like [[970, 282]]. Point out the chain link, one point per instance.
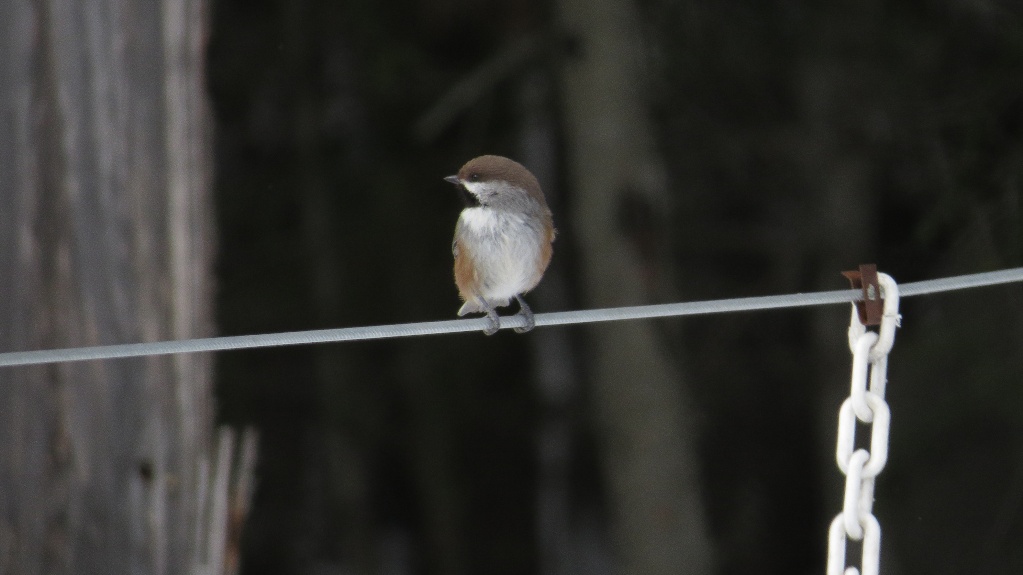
[[864, 405]]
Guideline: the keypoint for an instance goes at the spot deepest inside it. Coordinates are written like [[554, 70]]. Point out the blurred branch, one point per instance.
[[224, 503], [483, 79], [241, 498]]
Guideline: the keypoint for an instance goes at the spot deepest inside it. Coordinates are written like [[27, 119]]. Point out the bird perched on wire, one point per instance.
[[503, 239]]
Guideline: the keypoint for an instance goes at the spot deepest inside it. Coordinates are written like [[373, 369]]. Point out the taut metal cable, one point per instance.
[[477, 324]]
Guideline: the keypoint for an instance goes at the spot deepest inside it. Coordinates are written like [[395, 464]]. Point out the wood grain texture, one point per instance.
[[105, 237]]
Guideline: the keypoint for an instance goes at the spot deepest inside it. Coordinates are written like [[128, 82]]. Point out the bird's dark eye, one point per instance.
[[474, 177]]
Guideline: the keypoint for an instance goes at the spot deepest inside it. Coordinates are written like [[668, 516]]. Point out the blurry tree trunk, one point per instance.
[[339, 476], [555, 362], [105, 238], [648, 448]]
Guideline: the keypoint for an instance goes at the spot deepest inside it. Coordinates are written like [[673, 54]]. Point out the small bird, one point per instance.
[[503, 239]]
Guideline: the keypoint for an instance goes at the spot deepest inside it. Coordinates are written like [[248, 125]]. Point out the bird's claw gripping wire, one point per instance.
[[527, 315], [493, 321]]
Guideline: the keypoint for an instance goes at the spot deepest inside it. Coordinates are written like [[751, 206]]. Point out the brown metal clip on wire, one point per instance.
[[872, 306]]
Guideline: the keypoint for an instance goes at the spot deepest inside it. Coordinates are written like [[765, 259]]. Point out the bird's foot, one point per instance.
[[527, 314], [493, 322]]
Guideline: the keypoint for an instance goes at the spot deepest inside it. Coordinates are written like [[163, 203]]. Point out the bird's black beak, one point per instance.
[[470, 200]]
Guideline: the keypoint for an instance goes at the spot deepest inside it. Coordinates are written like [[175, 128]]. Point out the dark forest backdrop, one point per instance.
[[691, 150], [275, 165]]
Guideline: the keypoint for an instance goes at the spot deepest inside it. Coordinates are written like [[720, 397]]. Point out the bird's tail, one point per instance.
[[474, 306]]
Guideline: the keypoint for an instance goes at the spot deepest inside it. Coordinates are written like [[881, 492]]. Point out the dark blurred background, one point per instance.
[[689, 150]]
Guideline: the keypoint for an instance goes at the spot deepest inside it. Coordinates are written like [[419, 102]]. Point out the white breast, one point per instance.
[[505, 250]]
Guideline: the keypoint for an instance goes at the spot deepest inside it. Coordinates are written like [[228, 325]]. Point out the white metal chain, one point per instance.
[[861, 466]]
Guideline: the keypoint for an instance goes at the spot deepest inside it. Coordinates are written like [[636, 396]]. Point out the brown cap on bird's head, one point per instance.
[[495, 176]]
